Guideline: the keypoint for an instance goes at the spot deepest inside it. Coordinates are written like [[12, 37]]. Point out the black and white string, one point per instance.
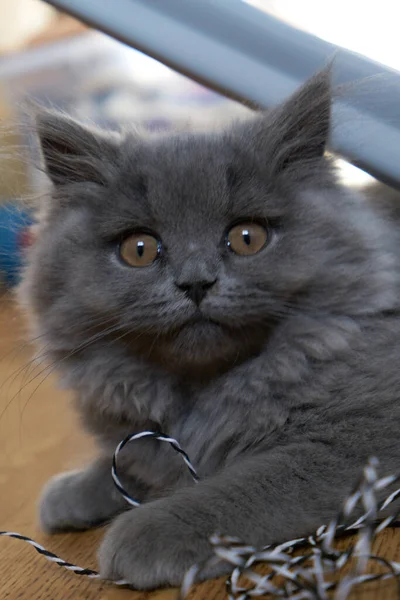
[[130, 438], [296, 577], [137, 436]]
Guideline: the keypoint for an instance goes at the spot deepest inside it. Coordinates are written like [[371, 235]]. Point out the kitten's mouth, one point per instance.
[[199, 318]]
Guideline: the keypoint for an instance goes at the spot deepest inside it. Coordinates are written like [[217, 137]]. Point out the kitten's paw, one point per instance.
[[151, 547], [78, 500], [58, 507]]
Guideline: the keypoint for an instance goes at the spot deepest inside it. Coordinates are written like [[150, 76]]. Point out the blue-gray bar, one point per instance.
[[246, 54]]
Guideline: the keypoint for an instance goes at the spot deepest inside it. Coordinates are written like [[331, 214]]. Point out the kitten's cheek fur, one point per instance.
[[153, 548]]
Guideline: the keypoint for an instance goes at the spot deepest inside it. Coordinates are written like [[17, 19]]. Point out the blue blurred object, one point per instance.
[[14, 224]]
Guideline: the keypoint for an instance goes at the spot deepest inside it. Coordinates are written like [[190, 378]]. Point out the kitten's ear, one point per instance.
[[72, 152], [299, 128]]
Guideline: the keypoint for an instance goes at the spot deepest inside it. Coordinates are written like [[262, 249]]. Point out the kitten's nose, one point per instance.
[[196, 275], [196, 290]]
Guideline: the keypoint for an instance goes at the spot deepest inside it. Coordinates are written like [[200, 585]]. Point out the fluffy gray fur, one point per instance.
[[279, 384]]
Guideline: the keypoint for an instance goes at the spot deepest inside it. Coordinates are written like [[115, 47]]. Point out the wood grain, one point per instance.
[[39, 436]]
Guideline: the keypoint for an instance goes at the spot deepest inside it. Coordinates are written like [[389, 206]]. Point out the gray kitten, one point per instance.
[[226, 290]]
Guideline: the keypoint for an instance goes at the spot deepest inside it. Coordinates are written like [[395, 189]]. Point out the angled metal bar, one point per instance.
[[254, 58]]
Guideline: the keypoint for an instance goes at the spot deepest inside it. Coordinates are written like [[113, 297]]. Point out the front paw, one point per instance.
[[58, 510], [75, 501], [80, 499], [151, 547]]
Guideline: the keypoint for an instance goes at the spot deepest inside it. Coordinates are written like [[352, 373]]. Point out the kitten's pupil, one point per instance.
[[140, 249], [246, 237]]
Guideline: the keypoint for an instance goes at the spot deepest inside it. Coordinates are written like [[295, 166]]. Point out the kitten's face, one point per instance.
[[173, 252], [189, 249]]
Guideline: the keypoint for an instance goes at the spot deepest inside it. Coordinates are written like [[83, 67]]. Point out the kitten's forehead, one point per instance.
[[184, 175], [181, 185]]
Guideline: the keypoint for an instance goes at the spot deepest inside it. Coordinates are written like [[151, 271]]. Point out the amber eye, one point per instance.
[[140, 249], [247, 238]]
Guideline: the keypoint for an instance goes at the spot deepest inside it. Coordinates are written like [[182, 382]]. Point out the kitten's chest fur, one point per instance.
[[213, 420], [307, 369]]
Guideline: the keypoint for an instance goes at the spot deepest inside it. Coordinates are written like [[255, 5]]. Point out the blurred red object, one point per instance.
[[26, 237]]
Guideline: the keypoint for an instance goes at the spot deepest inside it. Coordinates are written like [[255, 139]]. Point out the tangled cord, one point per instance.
[[309, 576], [302, 577]]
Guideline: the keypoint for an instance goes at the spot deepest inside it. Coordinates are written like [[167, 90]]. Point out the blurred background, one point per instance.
[[56, 61]]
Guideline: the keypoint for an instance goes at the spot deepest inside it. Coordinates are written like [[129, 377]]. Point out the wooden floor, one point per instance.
[[39, 437]]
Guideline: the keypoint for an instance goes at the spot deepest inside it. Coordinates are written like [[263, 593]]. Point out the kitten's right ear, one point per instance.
[[297, 131], [73, 152]]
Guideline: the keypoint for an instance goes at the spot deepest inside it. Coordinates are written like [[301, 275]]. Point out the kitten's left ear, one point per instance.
[[298, 129], [73, 152]]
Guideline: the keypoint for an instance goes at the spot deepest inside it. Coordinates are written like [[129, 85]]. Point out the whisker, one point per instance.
[[38, 356], [56, 363]]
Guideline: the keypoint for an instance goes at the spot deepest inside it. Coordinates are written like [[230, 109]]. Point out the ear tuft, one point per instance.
[[298, 130], [72, 152]]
